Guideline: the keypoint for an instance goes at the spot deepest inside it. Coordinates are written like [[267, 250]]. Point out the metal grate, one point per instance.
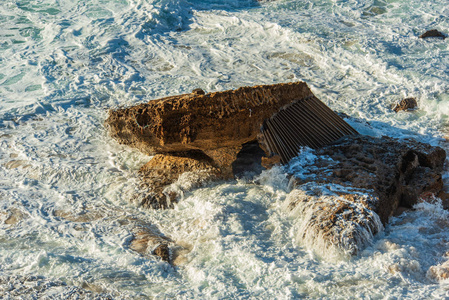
[[307, 122]]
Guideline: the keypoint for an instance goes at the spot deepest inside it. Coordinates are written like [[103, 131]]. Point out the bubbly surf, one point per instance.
[[67, 206]]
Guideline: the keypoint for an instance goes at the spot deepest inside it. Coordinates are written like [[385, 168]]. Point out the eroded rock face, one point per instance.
[[206, 136], [217, 124], [398, 172], [345, 193], [201, 137]]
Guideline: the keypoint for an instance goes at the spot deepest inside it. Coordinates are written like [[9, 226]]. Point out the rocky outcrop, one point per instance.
[[218, 124], [406, 104], [221, 135], [207, 136], [398, 172], [350, 189], [340, 199], [432, 34]]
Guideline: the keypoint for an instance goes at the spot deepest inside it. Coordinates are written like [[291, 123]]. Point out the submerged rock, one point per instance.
[[150, 242], [334, 224], [406, 104], [432, 34], [162, 171], [13, 216], [147, 239], [439, 272]]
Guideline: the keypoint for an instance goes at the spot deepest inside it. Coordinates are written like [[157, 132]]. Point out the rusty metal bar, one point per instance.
[[316, 122], [285, 135], [308, 122], [282, 153], [324, 122], [300, 135], [333, 116]]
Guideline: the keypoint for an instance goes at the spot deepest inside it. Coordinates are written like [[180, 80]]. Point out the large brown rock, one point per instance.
[[217, 124], [208, 136]]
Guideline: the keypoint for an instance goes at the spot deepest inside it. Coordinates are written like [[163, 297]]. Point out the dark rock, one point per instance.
[[163, 252], [398, 172], [198, 92], [432, 34], [406, 104], [343, 197]]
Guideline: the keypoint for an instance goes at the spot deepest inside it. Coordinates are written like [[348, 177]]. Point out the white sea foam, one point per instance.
[[67, 188]]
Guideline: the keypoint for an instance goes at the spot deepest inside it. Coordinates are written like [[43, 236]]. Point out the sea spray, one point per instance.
[[334, 226], [64, 63]]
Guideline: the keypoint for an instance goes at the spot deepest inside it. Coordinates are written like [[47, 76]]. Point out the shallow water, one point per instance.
[[70, 187]]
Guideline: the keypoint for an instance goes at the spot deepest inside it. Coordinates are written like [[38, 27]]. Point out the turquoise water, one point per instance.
[[63, 64]]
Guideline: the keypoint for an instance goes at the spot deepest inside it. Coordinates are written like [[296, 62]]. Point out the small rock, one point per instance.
[[432, 34], [406, 104], [82, 217], [198, 92], [145, 239], [439, 272], [163, 252], [14, 216]]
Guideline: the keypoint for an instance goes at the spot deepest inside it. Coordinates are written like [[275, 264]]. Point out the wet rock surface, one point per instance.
[[406, 104], [433, 34], [147, 239], [351, 189], [13, 216], [160, 174], [334, 224], [398, 172]]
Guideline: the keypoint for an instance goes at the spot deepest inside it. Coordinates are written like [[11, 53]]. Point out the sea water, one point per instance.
[[67, 189]]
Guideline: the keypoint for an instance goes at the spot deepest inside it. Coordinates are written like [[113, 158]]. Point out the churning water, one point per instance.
[[66, 188]]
